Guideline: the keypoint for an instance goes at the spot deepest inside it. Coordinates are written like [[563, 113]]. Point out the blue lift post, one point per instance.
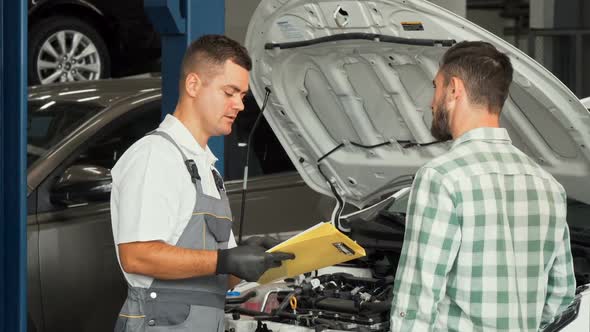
[[13, 165], [179, 22]]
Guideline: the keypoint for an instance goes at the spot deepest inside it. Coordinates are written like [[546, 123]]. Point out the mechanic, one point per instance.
[[171, 218], [486, 245]]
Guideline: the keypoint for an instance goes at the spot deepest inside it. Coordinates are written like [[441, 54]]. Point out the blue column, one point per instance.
[[13, 115], [179, 22]]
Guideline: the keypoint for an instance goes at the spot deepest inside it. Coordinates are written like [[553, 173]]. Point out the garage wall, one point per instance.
[[458, 7], [558, 53], [542, 14], [237, 17], [491, 20]]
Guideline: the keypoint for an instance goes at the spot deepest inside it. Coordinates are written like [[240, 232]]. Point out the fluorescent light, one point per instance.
[[75, 92], [92, 170], [46, 106], [41, 98], [87, 99], [146, 98]]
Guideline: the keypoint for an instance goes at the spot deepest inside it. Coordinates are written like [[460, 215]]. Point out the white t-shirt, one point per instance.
[[153, 197]]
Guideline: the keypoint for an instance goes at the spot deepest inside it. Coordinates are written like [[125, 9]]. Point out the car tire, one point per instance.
[[86, 54]]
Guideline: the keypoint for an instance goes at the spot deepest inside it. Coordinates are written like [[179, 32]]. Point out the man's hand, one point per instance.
[[265, 242], [248, 262]]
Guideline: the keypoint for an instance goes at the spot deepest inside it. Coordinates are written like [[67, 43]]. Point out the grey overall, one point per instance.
[[194, 304]]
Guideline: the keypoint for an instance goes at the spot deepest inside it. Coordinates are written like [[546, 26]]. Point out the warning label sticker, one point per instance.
[[289, 30], [413, 26]]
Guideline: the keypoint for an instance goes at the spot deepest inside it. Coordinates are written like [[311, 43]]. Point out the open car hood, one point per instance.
[[351, 86]]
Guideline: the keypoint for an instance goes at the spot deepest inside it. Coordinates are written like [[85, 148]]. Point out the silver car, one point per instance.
[[351, 86]]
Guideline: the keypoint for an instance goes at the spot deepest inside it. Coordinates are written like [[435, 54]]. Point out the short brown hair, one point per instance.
[[485, 71], [211, 51]]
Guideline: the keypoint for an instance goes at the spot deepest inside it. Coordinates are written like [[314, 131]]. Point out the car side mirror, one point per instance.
[[82, 184]]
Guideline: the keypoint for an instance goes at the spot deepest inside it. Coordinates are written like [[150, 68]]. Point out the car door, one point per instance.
[[34, 314], [82, 287]]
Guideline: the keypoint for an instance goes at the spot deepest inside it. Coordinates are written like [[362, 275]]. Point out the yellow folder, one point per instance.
[[320, 246]]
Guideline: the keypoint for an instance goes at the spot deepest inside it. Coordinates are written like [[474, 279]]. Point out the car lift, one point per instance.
[[179, 22], [13, 165]]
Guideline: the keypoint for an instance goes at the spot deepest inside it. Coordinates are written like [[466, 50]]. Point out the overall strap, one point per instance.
[[190, 164]]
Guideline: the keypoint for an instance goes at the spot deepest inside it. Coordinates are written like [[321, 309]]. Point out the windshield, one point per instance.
[[49, 121]]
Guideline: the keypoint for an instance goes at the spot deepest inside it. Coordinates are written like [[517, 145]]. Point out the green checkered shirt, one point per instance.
[[486, 245]]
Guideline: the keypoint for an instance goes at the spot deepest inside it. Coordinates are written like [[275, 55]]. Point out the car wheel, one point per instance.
[[66, 49]]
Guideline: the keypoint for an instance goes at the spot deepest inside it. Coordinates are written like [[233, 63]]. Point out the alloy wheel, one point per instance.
[[68, 55]]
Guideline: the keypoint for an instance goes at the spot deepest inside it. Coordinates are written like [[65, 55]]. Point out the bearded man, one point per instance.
[[486, 245]]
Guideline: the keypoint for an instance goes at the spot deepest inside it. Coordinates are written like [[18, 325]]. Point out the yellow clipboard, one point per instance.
[[319, 246]]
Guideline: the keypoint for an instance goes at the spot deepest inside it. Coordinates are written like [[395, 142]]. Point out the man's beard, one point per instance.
[[440, 122]]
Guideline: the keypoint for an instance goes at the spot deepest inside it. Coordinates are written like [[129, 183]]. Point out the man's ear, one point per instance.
[[192, 84], [456, 88], [453, 91]]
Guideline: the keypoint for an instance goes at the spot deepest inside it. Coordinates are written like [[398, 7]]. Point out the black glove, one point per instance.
[[248, 262], [265, 242]]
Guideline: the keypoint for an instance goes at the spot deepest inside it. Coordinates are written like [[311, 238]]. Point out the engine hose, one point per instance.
[[375, 307], [253, 313], [326, 322]]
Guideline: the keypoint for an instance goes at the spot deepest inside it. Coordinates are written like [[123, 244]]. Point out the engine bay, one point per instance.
[[331, 302], [355, 296]]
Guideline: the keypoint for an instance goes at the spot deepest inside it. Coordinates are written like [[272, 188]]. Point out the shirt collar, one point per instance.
[[183, 137], [498, 135]]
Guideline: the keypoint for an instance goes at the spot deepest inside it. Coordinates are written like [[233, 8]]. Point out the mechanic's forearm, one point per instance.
[[163, 261]]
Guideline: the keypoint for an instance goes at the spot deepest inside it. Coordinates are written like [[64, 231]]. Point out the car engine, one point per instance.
[[331, 302], [352, 297]]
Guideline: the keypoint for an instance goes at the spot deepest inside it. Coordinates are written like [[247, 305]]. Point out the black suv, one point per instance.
[[74, 40]]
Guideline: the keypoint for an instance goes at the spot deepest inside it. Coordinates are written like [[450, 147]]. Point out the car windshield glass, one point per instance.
[[50, 121]]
